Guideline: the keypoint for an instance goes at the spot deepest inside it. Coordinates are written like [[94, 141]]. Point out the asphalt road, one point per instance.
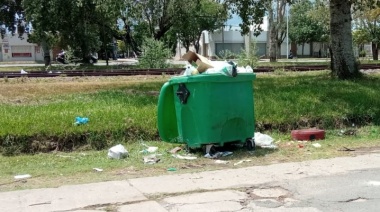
[[354, 191]]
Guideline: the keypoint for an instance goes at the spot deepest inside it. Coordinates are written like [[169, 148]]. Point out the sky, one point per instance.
[[234, 21]]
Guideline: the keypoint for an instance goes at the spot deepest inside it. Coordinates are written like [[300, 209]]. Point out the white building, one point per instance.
[[12, 48], [213, 43], [230, 38]]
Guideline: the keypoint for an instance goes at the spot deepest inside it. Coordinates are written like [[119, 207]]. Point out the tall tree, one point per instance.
[[84, 25], [303, 28], [192, 18], [277, 26], [361, 37], [281, 24], [252, 14], [368, 23], [9, 10], [343, 62], [155, 13], [321, 15]]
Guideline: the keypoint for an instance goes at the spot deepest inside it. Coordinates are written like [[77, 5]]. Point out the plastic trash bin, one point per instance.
[[207, 109]]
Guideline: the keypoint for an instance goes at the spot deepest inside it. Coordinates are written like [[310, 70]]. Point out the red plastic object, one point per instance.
[[308, 134]]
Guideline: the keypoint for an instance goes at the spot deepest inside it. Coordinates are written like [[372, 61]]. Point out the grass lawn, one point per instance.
[[38, 116]]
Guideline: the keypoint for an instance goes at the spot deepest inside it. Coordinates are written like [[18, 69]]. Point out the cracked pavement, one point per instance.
[[338, 184]]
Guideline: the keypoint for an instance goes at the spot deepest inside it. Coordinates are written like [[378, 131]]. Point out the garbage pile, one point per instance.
[[197, 64]]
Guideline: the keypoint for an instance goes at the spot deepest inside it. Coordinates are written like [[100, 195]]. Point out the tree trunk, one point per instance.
[[196, 43], [186, 44], [46, 49], [303, 47], [278, 47], [375, 51], [331, 61], [272, 38], [344, 65], [128, 39], [196, 46]]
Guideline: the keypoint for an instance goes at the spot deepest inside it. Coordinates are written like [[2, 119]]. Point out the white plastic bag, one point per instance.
[[246, 69], [117, 152], [249, 69], [223, 67], [263, 140], [190, 70]]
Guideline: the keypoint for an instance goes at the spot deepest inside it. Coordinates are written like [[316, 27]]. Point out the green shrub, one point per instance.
[[362, 53], [226, 54], [154, 54], [248, 58]]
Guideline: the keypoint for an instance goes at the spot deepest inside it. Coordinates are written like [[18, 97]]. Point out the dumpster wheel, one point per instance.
[[250, 143]]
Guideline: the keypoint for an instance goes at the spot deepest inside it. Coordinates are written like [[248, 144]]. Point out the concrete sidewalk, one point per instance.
[[222, 190]]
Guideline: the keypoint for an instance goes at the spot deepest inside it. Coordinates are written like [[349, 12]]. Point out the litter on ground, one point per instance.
[[151, 149], [175, 150], [81, 120], [242, 161], [117, 152], [151, 159], [218, 155], [23, 176], [221, 162], [264, 141], [184, 157]]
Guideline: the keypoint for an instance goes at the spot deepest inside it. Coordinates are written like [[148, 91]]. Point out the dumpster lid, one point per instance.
[[166, 114]]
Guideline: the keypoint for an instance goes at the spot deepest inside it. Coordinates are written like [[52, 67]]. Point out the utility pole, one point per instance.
[[287, 31]]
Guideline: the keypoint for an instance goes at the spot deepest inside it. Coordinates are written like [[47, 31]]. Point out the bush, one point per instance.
[[154, 54], [249, 57], [362, 53], [226, 54]]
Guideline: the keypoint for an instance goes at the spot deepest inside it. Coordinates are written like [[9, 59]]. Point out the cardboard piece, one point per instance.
[[202, 62]]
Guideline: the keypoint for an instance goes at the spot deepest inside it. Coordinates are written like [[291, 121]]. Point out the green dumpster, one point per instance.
[[207, 109]]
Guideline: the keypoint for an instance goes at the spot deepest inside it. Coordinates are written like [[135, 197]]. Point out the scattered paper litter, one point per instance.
[[65, 156], [23, 176], [97, 169], [317, 145], [218, 154], [184, 157], [221, 161], [150, 149], [151, 159], [242, 161], [23, 72], [175, 150]]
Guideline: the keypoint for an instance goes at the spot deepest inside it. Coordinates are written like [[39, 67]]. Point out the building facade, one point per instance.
[[214, 42], [13, 48]]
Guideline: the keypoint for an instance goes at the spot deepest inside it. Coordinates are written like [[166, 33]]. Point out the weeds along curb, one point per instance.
[[98, 140]]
